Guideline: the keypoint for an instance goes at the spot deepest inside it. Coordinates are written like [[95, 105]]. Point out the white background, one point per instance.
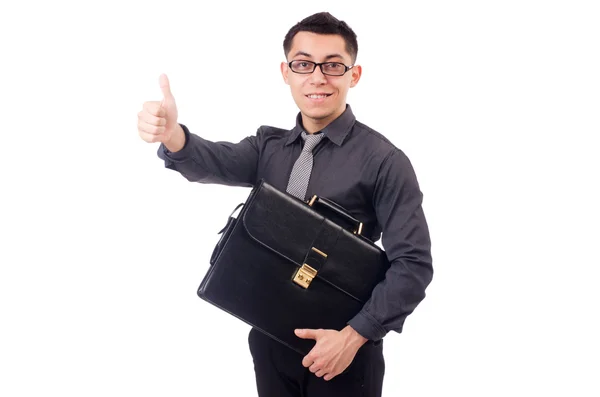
[[102, 249]]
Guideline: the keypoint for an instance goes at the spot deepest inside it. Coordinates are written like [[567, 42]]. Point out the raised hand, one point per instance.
[[157, 121]]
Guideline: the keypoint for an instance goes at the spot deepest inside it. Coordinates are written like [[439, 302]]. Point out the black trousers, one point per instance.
[[280, 373]]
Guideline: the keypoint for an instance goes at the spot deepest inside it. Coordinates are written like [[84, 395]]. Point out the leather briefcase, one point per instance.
[[284, 264]]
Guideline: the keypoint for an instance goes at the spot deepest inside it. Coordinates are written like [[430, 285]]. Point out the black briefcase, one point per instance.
[[284, 264]]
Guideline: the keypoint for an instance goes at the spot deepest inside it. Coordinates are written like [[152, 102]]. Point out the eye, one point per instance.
[[334, 66], [302, 66]]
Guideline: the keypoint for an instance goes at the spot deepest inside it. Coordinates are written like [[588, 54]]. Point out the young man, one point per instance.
[[331, 154]]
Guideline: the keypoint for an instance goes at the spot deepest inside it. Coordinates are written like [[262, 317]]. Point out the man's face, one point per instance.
[[320, 97]]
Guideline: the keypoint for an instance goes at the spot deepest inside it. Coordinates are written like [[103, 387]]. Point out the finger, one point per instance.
[[320, 373], [308, 360], [165, 86], [329, 377], [149, 128], [150, 138], [314, 367], [154, 109], [307, 333], [151, 119]]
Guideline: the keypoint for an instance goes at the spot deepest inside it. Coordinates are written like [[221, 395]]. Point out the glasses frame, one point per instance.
[[320, 65]]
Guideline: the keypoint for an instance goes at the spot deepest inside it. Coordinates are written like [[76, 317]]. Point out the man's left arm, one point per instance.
[[398, 201]]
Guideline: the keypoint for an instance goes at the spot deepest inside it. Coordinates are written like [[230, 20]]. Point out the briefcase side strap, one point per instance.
[[226, 231]]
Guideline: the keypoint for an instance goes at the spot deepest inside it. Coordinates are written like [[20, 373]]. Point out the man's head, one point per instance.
[[320, 91]]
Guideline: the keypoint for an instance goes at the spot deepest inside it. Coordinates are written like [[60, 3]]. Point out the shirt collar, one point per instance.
[[336, 131]]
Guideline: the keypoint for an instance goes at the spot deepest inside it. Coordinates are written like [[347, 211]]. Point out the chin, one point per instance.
[[318, 113]]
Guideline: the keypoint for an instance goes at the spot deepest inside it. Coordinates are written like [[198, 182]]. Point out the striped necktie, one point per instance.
[[300, 175]]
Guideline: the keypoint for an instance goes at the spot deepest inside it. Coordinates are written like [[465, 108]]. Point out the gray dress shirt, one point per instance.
[[354, 166]]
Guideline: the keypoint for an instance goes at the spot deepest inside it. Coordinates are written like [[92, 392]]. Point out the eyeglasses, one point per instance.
[[328, 68]]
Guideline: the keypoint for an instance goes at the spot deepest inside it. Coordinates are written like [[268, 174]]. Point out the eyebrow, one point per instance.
[[306, 54]]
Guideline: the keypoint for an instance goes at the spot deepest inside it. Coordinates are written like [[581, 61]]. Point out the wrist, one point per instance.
[[177, 140], [353, 337]]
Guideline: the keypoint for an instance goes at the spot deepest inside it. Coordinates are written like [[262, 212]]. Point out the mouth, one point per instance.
[[318, 96]]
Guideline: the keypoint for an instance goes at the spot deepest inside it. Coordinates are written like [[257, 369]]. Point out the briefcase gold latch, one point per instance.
[[304, 275]]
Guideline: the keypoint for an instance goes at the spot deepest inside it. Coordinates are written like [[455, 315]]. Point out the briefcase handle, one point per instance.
[[339, 210]]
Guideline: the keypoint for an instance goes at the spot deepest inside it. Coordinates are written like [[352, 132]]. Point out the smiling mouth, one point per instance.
[[317, 96]]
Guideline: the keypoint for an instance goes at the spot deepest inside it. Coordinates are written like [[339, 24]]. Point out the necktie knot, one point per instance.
[[310, 141]]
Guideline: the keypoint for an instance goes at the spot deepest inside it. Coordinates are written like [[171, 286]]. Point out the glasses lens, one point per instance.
[[303, 66], [334, 68]]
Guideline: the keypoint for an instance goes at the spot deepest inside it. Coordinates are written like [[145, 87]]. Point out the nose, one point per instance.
[[317, 77]]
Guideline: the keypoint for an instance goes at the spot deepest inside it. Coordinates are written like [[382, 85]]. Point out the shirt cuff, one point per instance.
[[367, 326], [179, 156]]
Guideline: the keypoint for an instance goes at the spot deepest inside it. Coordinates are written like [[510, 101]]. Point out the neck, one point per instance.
[[312, 125]]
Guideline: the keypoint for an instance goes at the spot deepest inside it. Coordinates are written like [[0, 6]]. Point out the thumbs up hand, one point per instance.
[[157, 121]]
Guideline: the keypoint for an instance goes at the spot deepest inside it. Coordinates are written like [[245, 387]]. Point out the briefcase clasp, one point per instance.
[[304, 275]]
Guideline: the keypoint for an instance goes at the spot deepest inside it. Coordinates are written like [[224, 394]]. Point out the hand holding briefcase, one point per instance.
[[282, 264]]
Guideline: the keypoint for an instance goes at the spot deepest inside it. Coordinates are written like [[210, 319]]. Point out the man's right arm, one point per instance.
[[197, 159], [204, 161]]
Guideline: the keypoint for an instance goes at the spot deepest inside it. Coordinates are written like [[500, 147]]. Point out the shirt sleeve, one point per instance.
[[405, 238], [204, 161]]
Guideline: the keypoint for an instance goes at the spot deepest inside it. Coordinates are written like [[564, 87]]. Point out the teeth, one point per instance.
[[317, 96]]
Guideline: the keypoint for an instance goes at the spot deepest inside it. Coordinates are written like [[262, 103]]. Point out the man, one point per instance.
[[343, 160]]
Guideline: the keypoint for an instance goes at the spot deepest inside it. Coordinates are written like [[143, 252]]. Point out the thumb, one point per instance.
[[165, 87], [306, 333]]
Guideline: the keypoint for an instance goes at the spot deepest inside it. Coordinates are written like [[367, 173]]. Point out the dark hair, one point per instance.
[[323, 23]]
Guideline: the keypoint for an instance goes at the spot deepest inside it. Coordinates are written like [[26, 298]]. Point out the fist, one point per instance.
[[157, 121]]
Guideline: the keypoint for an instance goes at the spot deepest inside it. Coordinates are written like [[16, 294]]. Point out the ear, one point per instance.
[[284, 72], [356, 73]]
